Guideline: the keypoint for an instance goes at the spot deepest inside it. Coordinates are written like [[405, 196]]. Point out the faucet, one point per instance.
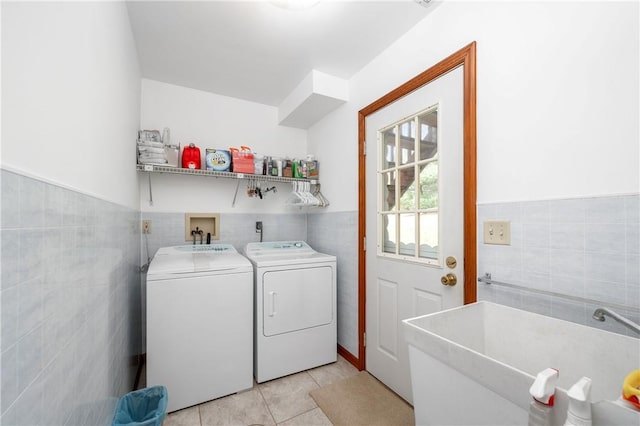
[[197, 231], [601, 312]]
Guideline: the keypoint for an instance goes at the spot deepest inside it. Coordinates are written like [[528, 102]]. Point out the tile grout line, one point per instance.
[[314, 380], [298, 415], [265, 403], [309, 395]]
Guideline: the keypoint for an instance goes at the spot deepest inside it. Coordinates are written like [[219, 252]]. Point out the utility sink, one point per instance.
[[475, 364]]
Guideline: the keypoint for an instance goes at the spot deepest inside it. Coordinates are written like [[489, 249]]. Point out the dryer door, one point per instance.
[[296, 299]]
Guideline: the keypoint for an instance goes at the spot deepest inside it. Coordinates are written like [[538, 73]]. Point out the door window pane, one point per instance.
[[408, 234], [389, 148], [407, 188], [429, 185], [389, 237], [407, 142], [388, 185], [428, 123], [429, 235]]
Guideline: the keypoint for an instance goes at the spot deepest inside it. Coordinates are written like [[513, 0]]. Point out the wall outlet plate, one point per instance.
[[497, 232], [146, 226]]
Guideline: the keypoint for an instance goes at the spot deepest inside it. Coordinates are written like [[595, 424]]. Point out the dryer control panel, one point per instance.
[[277, 247]]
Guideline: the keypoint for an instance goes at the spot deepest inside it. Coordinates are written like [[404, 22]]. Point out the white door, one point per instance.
[[414, 217]]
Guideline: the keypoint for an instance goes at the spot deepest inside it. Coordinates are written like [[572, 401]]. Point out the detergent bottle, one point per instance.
[[191, 157], [543, 392]]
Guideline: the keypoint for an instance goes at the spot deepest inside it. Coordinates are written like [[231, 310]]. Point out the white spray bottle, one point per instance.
[[543, 392], [579, 412]]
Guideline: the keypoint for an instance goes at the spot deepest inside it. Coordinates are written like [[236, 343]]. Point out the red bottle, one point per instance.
[[191, 157]]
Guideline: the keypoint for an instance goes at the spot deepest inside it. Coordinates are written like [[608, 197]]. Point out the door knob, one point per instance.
[[449, 279]]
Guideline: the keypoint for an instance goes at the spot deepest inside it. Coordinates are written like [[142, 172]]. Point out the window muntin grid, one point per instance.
[[408, 207]]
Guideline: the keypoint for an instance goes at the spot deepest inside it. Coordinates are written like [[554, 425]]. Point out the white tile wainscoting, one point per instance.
[[583, 247], [70, 304]]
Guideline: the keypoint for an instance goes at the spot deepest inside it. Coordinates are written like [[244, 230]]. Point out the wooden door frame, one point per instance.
[[465, 57]]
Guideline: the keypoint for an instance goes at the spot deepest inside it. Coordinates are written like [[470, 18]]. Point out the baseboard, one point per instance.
[[349, 357]]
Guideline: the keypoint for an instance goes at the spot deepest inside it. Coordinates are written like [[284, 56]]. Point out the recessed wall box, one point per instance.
[[207, 222]]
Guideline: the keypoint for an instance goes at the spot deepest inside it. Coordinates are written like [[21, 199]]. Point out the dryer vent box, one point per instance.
[[207, 222]]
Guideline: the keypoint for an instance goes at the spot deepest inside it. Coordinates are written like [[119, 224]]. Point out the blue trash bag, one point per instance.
[[144, 407]]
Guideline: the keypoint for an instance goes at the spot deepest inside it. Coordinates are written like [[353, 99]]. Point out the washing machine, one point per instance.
[[199, 323], [295, 308]]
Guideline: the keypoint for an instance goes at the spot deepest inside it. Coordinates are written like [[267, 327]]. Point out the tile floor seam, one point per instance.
[[199, 415], [309, 394], [266, 404], [298, 415], [314, 379]]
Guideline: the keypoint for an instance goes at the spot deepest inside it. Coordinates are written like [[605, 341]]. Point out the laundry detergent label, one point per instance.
[[218, 160]]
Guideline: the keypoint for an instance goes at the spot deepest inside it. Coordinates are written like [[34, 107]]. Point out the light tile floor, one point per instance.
[[283, 401]]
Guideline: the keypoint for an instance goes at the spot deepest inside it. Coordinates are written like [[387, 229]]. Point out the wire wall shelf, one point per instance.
[[251, 180], [154, 168]]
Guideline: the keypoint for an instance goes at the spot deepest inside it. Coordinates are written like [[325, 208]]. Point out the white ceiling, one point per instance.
[[256, 51]]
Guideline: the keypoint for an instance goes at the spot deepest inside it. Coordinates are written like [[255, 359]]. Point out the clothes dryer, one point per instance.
[[199, 323], [295, 308]]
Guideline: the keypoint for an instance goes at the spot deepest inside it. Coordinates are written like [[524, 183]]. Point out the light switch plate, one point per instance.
[[497, 232]]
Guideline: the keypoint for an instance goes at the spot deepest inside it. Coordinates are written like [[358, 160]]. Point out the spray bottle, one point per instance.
[[543, 392], [579, 412]]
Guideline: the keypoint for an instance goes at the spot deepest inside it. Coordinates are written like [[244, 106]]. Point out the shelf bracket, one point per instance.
[[150, 192], [233, 203]]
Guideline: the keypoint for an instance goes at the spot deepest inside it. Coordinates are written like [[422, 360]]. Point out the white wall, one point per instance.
[[557, 98], [213, 121], [70, 96], [70, 263]]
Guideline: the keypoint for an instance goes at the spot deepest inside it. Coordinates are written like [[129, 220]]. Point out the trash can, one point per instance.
[[144, 407]]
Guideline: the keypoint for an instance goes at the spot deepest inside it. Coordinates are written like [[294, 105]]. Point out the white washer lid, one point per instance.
[[171, 261]]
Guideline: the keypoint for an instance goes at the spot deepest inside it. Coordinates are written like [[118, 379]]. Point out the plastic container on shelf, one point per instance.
[[287, 170], [296, 168], [275, 169], [258, 164], [191, 157], [242, 160]]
